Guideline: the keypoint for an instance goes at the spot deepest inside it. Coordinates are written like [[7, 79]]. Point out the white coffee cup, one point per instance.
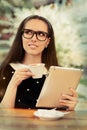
[[37, 70]]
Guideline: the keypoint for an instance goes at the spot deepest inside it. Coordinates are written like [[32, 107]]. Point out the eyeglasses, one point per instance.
[[40, 35]]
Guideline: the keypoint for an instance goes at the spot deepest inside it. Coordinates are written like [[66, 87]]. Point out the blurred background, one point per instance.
[[69, 20]]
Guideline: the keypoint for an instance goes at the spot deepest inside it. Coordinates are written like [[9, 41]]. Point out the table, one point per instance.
[[24, 119]]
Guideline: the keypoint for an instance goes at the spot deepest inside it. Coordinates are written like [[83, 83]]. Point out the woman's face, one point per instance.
[[34, 39]]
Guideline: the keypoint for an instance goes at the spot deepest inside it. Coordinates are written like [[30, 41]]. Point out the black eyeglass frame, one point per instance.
[[36, 33]]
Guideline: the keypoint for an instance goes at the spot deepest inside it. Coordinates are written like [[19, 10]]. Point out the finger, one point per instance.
[[68, 101], [69, 104], [74, 93], [68, 97], [23, 69]]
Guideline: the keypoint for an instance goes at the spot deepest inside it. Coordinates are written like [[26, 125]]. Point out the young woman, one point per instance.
[[34, 43]]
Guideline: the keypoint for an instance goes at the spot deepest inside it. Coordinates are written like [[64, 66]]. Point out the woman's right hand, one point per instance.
[[20, 75]]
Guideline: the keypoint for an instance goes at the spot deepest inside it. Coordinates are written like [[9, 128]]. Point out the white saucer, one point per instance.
[[48, 114]]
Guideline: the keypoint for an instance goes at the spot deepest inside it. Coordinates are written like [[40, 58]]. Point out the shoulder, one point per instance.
[[9, 69], [8, 72], [6, 76]]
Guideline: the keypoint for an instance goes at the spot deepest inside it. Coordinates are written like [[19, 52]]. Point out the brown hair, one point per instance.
[[16, 53]]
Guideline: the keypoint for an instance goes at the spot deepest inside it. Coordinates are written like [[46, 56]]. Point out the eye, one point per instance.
[[27, 31], [41, 34]]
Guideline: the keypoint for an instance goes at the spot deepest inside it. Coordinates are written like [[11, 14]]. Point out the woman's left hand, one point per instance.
[[68, 100]]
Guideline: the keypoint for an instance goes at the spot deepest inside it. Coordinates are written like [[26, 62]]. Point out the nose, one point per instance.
[[34, 37]]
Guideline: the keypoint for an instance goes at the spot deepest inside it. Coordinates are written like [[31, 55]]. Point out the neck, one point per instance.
[[29, 59]]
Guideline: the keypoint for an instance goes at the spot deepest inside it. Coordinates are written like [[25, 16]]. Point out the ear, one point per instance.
[[47, 43]]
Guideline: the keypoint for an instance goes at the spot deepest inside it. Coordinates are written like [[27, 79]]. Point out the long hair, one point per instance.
[[17, 52]]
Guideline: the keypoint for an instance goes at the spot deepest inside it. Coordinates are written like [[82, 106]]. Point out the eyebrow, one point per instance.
[[35, 31]]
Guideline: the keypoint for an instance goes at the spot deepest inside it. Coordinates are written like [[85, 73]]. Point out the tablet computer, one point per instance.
[[58, 81]]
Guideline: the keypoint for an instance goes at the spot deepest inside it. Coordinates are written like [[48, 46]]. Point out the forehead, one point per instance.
[[36, 24]]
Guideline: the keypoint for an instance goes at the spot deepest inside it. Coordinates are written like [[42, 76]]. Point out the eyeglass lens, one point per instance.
[[40, 35]]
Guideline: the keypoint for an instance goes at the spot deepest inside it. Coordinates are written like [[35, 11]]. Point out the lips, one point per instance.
[[32, 45]]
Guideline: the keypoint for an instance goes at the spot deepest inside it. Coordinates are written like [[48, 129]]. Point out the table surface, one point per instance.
[[24, 119]]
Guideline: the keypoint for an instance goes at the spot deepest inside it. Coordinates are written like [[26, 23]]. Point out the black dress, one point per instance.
[[27, 92]]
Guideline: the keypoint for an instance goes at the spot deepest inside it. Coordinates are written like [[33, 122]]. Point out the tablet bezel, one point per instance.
[[58, 76]]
